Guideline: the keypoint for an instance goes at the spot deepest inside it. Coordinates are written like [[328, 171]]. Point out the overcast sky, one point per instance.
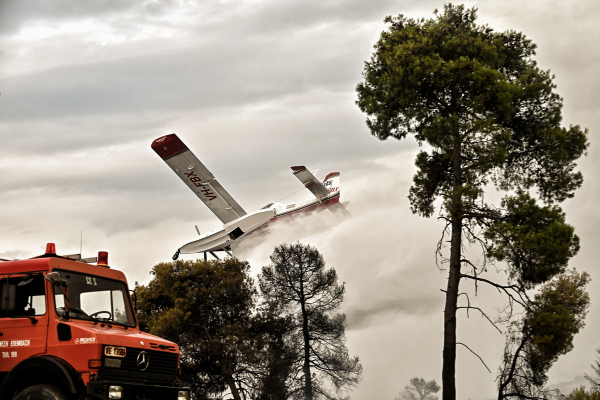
[[254, 87]]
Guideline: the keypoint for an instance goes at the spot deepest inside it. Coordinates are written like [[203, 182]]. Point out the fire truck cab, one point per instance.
[[68, 330]]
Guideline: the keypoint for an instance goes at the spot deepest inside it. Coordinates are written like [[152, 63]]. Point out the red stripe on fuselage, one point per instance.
[[314, 206], [311, 207]]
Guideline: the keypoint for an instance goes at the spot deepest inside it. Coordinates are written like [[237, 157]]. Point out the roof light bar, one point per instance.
[[103, 258], [50, 248]]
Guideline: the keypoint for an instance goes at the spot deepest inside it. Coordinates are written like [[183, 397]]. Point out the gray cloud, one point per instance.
[[268, 17], [15, 14], [220, 65], [206, 78]]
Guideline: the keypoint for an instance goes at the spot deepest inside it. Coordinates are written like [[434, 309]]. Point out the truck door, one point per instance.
[[23, 318]]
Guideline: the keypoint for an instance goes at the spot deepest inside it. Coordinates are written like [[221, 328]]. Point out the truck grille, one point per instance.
[[162, 365]]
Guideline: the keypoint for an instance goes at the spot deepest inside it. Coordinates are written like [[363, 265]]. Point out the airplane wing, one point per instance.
[[310, 182], [202, 182]]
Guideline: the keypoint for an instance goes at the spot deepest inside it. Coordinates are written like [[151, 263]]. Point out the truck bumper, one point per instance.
[[101, 391]]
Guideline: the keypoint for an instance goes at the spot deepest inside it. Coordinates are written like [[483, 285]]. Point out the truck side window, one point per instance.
[[30, 296], [59, 300]]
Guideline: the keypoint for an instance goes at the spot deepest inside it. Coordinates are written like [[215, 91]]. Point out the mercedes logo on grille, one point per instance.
[[143, 360]]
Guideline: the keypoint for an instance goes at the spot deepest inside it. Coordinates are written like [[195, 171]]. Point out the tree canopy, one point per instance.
[[595, 381], [489, 118], [419, 389], [230, 341], [298, 284], [545, 332], [581, 394], [206, 308]]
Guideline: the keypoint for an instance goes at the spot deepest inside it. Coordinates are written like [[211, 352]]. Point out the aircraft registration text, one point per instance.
[[198, 182]]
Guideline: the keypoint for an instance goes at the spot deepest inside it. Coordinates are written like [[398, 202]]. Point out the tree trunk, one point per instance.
[[308, 395], [226, 372], [513, 366], [234, 390], [449, 352]]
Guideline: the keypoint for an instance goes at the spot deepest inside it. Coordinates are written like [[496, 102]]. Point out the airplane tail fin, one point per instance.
[[332, 182]]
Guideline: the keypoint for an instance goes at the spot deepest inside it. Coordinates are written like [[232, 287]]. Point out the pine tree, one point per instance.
[[297, 282], [490, 118]]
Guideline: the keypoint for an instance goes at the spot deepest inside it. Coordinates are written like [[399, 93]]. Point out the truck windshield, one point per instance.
[[94, 298]]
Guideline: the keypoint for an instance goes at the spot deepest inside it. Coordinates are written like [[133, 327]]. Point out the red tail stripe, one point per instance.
[[331, 175]]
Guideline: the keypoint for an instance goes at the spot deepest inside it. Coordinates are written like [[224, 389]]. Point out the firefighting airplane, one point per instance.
[[236, 222]]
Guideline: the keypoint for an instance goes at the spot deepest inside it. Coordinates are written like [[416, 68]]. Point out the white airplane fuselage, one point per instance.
[[223, 238]]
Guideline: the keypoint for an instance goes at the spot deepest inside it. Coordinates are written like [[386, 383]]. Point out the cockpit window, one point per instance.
[[267, 206]]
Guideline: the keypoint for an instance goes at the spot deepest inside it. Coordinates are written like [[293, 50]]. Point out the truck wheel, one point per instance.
[[41, 392]]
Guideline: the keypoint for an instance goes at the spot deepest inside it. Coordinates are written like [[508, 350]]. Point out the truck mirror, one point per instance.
[[55, 278], [7, 301], [133, 296]]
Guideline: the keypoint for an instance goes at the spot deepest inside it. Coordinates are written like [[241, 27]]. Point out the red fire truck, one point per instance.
[[68, 331]]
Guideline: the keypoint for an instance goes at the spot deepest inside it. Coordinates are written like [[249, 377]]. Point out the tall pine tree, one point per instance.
[[490, 118]]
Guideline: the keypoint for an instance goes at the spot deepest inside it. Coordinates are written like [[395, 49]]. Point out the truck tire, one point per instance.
[[41, 392]]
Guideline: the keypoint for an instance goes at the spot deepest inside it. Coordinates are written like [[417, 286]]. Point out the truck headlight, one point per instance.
[[183, 395], [115, 392]]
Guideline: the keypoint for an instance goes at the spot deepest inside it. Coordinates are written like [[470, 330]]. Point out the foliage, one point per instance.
[[301, 289], [278, 356], [581, 394], [535, 241], [545, 332], [449, 81], [206, 308], [595, 382], [558, 314], [490, 118], [419, 389]]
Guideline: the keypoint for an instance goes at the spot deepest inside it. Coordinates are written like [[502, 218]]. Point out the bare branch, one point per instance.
[[480, 359], [468, 300], [522, 299], [480, 216], [483, 314], [439, 258], [522, 396], [513, 366], [474, 271]]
